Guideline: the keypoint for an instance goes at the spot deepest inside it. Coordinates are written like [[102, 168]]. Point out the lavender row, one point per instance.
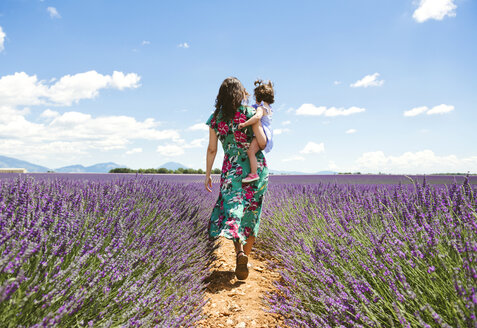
[[370, 179], [124, 252], [373, 255], [274, 179]]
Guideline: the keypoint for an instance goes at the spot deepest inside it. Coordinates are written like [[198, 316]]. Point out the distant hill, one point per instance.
[[326, 173], [97, 168], [71, 169], [8, 162], [173, 166]]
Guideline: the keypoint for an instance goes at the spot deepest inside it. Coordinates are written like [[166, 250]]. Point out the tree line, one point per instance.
[[162, 170]]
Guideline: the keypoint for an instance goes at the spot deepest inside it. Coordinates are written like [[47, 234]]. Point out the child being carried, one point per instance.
[[261, 125]]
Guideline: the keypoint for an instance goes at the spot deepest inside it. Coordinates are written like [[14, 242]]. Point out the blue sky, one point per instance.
[[370, 86]]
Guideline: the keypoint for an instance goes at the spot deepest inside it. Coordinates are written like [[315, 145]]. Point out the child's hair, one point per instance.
[[264, 92]]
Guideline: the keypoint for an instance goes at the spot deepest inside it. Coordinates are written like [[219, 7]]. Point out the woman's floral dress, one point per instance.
[[236, 214]]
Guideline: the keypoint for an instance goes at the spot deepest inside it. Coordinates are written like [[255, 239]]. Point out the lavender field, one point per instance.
[[101, 253], [274, 179], [374, 255], [125, 250]]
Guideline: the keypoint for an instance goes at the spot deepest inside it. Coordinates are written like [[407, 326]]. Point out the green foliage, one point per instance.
[[121, 170]]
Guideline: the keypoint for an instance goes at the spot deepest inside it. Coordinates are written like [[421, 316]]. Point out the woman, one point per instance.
[[236, 214]]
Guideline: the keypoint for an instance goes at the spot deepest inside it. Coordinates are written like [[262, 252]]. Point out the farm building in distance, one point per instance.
[[13, 170]]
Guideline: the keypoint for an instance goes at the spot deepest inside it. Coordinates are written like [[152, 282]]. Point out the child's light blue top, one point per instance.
[[267, 126]]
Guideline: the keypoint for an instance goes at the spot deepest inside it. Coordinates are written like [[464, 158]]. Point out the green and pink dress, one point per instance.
[[236, 214]]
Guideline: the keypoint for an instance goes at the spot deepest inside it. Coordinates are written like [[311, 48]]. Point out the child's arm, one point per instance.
[[254, 119]]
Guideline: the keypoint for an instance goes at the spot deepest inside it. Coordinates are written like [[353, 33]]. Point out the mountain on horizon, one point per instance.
[[325, 173], [9, 162], [96, 168], [173, 166]]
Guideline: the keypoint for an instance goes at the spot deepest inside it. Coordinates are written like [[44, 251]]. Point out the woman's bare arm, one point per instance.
[[254, 119], [211, 152]]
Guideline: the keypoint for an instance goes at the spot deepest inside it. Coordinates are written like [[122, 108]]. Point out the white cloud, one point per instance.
[[332, 165], [20, 89], [199, 127], [350, 131], [280, 131], [178, 147], [196, 143], [115, 130], [416, 111], [434, 9], [170, 150], [71, 134], [2, 39], [286, 123], [312, 110], [184, 45], [145, 42], [419, 162], [75, 131], [121, 81], [440, 109], [293, 159], [368, 81], [14, 125], [48, 113], [53, 12], [337, 82], [333, 111], [134, 151], [313, 148], [71, 88], [43, 151]]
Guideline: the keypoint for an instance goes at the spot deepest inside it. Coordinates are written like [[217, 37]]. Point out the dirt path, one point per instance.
[[236, 303]]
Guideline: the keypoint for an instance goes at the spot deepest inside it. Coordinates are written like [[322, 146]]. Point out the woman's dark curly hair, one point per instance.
[[264, 92], [231, 94]]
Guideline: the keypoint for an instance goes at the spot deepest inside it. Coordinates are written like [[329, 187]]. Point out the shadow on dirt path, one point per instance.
[[236, 303]]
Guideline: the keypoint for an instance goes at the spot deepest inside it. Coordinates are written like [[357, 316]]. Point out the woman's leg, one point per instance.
[[241, 268], [238, 247], [252, 150], [260, 135], [247, 248]]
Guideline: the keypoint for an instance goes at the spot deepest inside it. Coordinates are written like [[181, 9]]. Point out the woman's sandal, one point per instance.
[[241, 270]]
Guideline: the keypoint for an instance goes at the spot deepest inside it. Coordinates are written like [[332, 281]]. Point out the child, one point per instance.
[[261, 124]]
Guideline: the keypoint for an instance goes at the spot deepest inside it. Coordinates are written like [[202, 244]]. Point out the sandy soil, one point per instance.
[[236, 303]]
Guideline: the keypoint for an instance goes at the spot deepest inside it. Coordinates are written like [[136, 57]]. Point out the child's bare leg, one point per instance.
[[260, 135], [252, 150]]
